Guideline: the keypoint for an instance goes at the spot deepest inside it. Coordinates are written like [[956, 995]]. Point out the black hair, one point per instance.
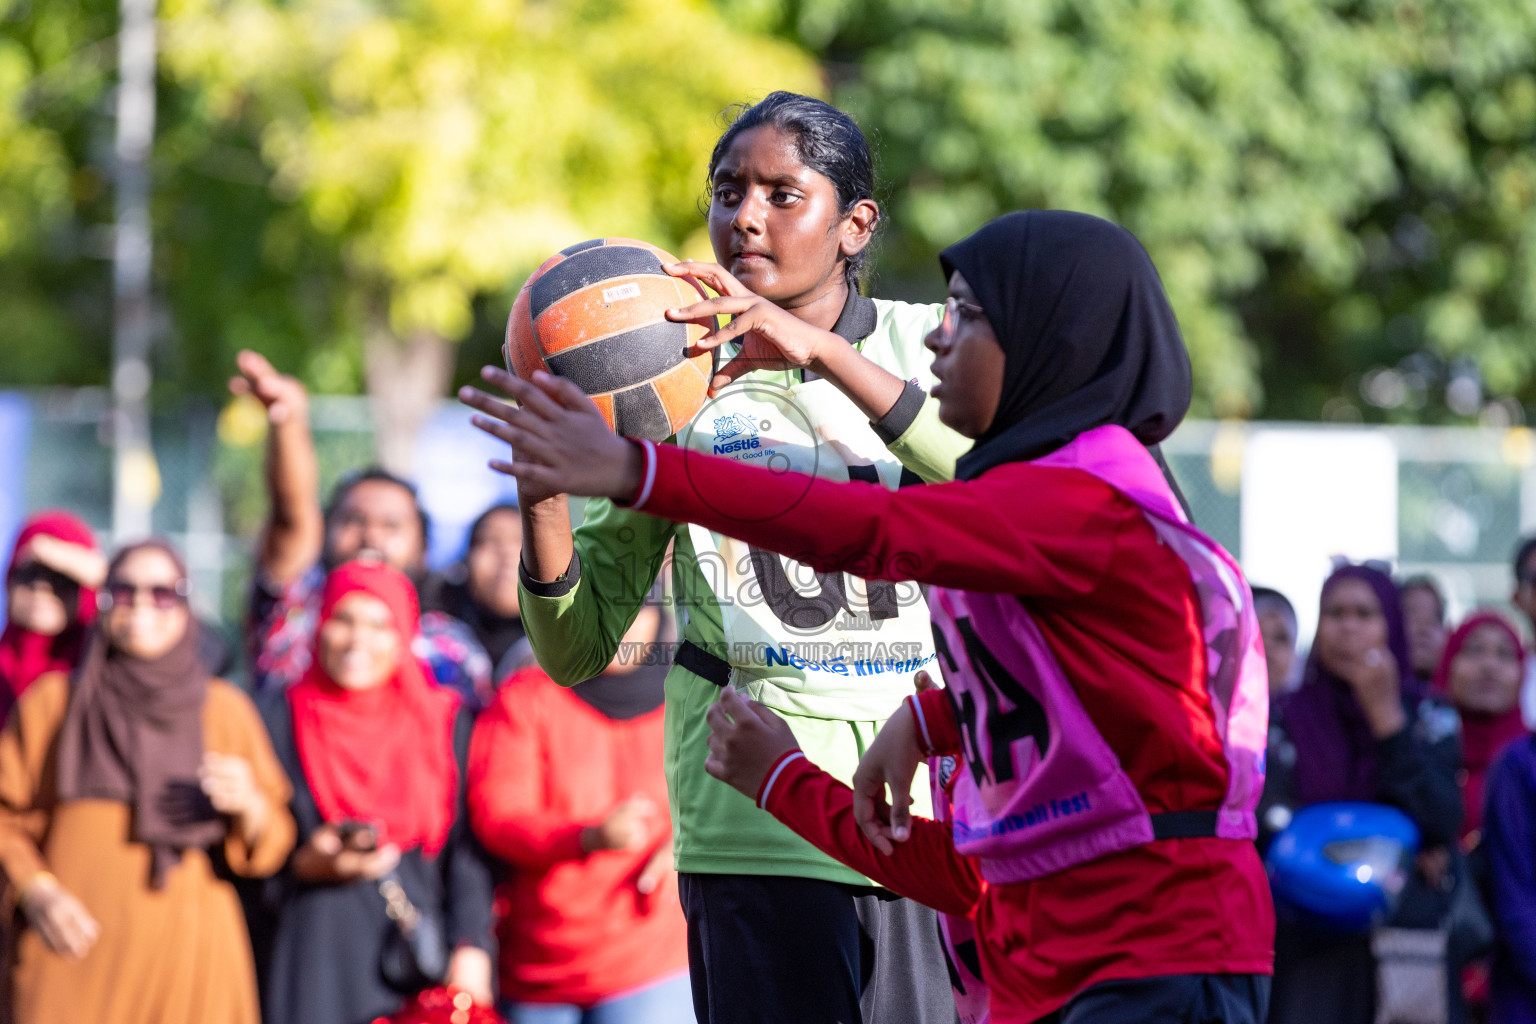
[[345, 485], [1523, 554], [827, 141], [480, 521], [1269, 596], [1424, 581]]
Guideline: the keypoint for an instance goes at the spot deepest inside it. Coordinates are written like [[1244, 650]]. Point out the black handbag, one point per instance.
[[415, 954], [1468, 925]]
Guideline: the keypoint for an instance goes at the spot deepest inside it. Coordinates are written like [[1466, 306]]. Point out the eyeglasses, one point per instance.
[[162, 597], [956, 309]]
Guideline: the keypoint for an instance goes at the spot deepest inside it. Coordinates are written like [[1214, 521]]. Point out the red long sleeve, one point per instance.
[[926, 868], [936, 722], [507, 806], [975, 535], [1119, 612]]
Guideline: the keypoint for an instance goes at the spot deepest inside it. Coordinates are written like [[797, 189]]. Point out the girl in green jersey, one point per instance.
[[820, 379]]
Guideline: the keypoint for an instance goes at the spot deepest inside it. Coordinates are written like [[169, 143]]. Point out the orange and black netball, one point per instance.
[[594, 314]]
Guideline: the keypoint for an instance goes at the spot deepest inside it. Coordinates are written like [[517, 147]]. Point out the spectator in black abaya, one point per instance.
[[377, 758]]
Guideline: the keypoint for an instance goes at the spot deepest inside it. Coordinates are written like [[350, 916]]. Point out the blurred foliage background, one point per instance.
[[1340, 194]]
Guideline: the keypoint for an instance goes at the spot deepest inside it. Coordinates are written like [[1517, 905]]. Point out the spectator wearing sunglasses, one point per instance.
[[50, 594], [129, 795]]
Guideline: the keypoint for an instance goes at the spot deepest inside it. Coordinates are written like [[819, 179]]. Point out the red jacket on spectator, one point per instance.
[[543, 766]]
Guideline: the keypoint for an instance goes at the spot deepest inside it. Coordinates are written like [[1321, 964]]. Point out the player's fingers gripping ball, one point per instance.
[[594, 314]]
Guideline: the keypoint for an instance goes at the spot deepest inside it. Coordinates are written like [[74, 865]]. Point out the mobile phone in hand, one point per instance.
[[361, 836]]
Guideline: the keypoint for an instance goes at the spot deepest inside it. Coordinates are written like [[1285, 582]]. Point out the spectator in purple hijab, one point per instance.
[[1361, 727]]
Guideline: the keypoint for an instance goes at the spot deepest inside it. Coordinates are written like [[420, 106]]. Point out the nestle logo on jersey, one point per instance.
[[734, 425], [735, 433]]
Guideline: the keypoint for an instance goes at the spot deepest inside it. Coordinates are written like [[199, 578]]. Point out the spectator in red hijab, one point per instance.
[[50, 595], [1480, 674], [377, 757]]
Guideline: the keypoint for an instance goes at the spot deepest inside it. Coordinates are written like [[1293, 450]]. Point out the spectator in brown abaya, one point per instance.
[[128, 793]]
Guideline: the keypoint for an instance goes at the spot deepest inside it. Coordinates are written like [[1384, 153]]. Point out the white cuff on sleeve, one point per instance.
[[762, 798], [649, 447], [922, 722]]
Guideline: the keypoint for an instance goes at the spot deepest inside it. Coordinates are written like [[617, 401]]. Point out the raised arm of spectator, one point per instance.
[[294, 534]]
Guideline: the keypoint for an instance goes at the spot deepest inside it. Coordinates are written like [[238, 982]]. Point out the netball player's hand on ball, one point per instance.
[[717, 278], [745, 740], [772, 338], [889, 764], [561, 444]]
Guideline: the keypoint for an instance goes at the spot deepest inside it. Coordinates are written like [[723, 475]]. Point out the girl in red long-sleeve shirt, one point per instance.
[[756, 751], [1105, 680]]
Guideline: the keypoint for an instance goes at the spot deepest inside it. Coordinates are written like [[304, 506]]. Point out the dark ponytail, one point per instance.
[[827, 140]]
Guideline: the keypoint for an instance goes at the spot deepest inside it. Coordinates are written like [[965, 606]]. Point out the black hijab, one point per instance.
[[1087, 332]]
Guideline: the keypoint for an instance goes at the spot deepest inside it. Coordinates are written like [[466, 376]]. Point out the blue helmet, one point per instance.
[[1341, 866]]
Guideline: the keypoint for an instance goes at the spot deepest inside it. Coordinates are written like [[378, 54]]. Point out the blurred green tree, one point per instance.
[[446, 147], [51, 92], [352, 186], [229, 269], [1340, 194]]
